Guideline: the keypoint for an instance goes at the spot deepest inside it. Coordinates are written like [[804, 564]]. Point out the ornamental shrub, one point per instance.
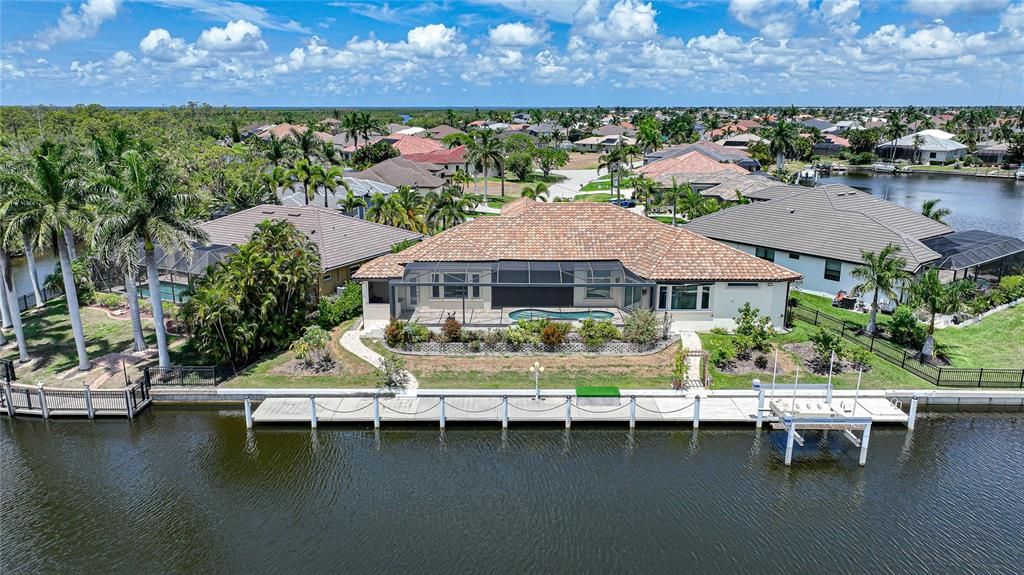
[[394, 333], [312, 347], [723, 356], [338, 308], [596, 332], [534, 326], [641, 327], [415, 332], [493, 337], [1013, 286], [554, 333], [518, 337], [860, 357], [83, 281], [391, 371], [755, 326], [741, 345], [905, 330], [825, 343], [110, 300], [761, 362], [451, 328], [474, 346]]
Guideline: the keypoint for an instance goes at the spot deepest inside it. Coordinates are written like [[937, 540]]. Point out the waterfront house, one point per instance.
[[821, 233], [740, 141], [570, 257], [830, 145], [344, 242], [602, 143], [709, 149], [927, 146], [685, 167]]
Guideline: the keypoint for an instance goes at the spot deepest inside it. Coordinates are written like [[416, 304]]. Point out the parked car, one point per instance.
[[623, 203]]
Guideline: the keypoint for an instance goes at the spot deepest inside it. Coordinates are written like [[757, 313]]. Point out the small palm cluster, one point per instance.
[[425, 213]]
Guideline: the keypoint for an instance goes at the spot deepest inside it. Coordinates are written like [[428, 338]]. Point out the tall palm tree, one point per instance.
[[276, 179], [691, 202], [275, 150], [302, 172], [7, 235], [461, 179], [305, 142], [612, 161], [894, 129], [487, 150], [351, 127], [936, 297], [449, 208], [881, 272], [930, 209], [673, 195], [329, 180], [412, 207], [643, 190], [145, 205], [783, 141], [48, 197]]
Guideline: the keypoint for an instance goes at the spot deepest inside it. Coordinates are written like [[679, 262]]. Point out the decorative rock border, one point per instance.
[[503, 348]]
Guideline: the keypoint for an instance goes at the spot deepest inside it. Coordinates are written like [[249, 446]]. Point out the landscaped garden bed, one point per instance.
[[642, 333]]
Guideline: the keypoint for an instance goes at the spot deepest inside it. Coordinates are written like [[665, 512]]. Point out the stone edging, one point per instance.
[[500, 349], [982, 316]]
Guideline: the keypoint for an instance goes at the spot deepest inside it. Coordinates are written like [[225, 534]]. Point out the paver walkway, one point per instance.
[[351, 342]]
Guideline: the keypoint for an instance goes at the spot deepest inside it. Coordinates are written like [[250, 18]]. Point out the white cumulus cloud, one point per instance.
[[628, 21], [236, 36], [515, 34], [78, 24]]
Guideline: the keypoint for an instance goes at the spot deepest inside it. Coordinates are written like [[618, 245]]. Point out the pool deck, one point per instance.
[[495, 317], [488, 407]]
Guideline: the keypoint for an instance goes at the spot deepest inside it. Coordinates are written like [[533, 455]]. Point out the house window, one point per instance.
[[455, 291], [328, 276], [684, 297], [742, 285], [765, 254], [833, 269], [598, 277], [931, 154], [794, 256]]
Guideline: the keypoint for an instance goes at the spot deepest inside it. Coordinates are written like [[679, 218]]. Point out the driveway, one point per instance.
[[574, 180]]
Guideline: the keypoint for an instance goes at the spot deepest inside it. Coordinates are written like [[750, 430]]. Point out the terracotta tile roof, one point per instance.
[[281, 131], [408, 144], [456, 155], [584, 231], [687, 164]]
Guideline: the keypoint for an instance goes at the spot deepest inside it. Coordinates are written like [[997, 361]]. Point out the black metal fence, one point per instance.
[[184, 376], [7, 371], [897, 355], [28, 300]]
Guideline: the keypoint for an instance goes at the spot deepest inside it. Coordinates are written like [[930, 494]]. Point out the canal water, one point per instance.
[[189, 491], [991, 204]]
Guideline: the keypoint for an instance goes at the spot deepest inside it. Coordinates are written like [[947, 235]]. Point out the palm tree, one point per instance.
[[329, 180], [929, 292], [930, 209], [304, 173], [449, 208], [783, 141], [47, 197], [691, 202], [351, 202], [612, 161], [537, 193], [461, 179], [7, 234], [485, 149], [879, 273], [643, 190], [411, 205], [918, 141], [145, 205], [305, 143], [275, 180], [894, 129], [673, 195], [351, 127], [275, 150]]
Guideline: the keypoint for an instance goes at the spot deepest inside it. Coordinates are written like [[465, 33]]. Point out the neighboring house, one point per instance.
[[821, 232], [401, 172], [295, 195], [830, 145], [928, 148], [614, 130], [411, 131], [709, 149], [570, 257], [734, 127], [728, 185], [404, 143], [843, 127], [816, 123], [445, 161], [740, 141], [344, 243], [685, 167], [281, 131], [602, 143], [439, 132], [253, 129], [544, 129], [992, 152]]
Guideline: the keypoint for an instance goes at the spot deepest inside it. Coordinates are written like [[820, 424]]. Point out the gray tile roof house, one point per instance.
[[726, 184], [401, 172], [833, 221], [709, 149], [296, 194], [344, 242]]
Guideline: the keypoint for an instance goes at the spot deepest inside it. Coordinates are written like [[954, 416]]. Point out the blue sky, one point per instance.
[[515, 53]]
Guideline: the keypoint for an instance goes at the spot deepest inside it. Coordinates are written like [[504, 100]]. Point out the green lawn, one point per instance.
[[996, 341], [533, 178], [593, 197], [824, 305], [499, 201], [883, 375], [50, 341], [604, 183], [354, 372]]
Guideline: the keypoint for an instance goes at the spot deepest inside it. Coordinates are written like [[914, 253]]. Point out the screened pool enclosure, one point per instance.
[[485, 292]]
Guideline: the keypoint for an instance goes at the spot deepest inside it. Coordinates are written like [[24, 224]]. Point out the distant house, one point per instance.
[[844, 126], [576, 256], [729, 186], [821, 232], [685, 167], [295, 194], [281, 131], [830, 145], [614, 130], [734, 127], [544, 129], [448, 161], [740, 141], [253, 129], [404, 143], [344, 242], [709, 149], [399, 172], [439, 132], [992, 152], [923, 146], [816, 123], [602, 143]]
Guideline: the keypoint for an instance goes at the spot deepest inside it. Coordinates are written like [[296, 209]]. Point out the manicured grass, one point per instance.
[[52, 345], [591, 391], [824, 305], [593, 197], [533, 178], [354, 371], [499, 202], [996, 341], [883, 375], [604, 183]]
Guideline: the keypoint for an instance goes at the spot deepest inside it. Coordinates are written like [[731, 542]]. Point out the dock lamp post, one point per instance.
[[535, 370]]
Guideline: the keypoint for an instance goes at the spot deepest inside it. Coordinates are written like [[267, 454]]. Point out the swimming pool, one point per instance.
[[545, 314], [168, 292]]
